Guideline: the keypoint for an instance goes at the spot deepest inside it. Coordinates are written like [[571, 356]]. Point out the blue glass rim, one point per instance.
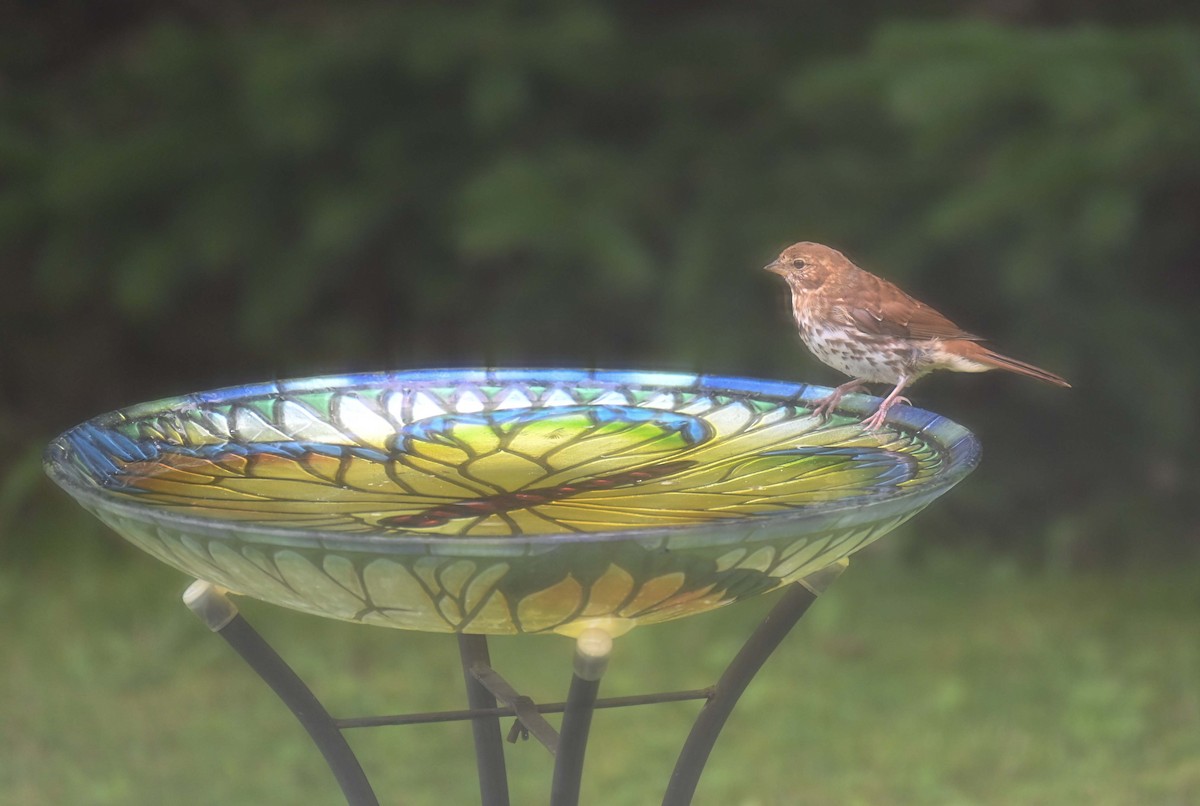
[[959, 447]]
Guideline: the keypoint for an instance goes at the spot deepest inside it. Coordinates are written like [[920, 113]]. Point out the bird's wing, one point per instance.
[[884, 310]]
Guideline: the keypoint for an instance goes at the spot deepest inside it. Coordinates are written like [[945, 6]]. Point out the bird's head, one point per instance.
[[806, 265]]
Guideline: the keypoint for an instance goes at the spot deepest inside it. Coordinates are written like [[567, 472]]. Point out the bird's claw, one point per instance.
[[876, 420], [826, 407]]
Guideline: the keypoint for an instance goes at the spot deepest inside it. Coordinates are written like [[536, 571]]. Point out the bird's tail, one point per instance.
[[980, 354]]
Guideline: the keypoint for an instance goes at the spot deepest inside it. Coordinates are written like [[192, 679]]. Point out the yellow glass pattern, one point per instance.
[[522, 503]]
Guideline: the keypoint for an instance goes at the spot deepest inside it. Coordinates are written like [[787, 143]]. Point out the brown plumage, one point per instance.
[[869, 329]]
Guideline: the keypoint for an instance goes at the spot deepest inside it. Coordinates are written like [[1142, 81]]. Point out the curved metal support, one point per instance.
[[489, 752], [797, 598], [592, 650], [221, 616], [484, 686]]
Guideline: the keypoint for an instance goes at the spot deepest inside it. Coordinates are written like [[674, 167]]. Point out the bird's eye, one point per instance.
[[798, 263]]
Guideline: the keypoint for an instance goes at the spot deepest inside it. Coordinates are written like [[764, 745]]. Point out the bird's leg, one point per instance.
[[875, 421], [826, 406]]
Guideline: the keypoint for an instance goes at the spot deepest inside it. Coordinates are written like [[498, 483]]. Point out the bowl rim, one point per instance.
[[961, 448]]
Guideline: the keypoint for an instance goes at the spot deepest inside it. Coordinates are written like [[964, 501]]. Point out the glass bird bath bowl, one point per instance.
[[507, 501]]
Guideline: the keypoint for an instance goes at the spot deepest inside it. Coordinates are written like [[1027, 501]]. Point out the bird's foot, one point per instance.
[[875, 421], [826, 406]]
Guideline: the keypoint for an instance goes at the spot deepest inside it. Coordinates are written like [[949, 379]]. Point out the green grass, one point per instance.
[[953, 683]]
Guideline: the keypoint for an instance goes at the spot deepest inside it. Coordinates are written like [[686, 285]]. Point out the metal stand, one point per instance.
[[490, 697], [489, 753], [221, 616], [591, 659]]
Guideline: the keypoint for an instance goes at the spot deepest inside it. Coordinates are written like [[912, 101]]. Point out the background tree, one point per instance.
[[199, 195]]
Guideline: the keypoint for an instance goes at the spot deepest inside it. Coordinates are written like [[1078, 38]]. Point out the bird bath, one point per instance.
[[505, 501]]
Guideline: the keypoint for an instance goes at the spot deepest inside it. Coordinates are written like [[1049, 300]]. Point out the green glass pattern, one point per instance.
[[507, 500]]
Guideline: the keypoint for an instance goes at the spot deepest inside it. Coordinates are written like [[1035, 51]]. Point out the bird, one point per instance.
[[867, 328]]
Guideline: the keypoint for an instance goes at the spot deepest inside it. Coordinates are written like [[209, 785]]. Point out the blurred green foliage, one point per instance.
[[959, 682], [192, 198]]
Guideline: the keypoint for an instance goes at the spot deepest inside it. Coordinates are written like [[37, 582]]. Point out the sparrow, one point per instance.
[[869, 329]]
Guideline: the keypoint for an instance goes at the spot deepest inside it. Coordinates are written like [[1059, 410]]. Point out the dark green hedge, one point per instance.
[[189, 200]]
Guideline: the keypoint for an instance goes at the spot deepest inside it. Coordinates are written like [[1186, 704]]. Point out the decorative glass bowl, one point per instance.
[[506, 501]]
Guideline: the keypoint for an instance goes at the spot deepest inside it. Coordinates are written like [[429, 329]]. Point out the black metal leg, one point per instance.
[[591, 659], [484, 686], [221, 615], [489, 749], [766, 637]]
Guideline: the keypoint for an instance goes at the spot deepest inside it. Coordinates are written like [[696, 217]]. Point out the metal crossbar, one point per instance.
[[490, 697], [430, 717]]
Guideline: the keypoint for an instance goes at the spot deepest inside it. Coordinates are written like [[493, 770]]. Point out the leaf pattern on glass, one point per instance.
[[499, 471]]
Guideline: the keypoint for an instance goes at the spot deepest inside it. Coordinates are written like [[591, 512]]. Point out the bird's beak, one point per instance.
[[773, 267]]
